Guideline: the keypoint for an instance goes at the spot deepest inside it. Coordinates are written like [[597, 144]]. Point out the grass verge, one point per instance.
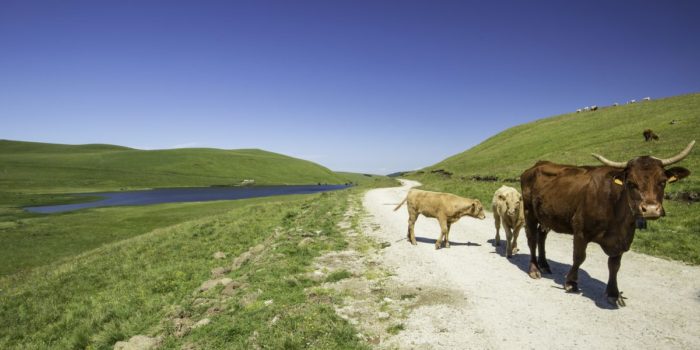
[[143, 284]]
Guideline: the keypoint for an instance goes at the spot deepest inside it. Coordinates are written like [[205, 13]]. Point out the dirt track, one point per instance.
[[493, 303]]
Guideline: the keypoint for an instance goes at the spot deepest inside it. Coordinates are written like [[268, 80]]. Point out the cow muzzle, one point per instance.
[[651, 211]]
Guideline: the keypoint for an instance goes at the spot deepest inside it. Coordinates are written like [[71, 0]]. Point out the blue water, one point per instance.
[[172, 195]]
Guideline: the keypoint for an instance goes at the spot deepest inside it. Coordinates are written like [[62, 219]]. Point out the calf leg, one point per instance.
[[412, 217], [443, 232], [509, 241], [514, 244], [447, 235], [497, 220], [580, 244], [614, 295]]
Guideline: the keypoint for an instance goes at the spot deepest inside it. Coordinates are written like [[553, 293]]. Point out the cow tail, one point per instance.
[[400, 204]]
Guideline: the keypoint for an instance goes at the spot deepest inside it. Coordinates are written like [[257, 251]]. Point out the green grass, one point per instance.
[[137, 285], [29, 167], [31, 240], [336, 276], [616, 133]]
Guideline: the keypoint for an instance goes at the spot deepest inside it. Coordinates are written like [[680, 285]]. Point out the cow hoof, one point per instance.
[[515, 250], [534, 271], [618, 301], [571, 287]]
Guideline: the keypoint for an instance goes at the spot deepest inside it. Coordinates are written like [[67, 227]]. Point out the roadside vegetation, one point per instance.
[[616, 133], [152, 283]]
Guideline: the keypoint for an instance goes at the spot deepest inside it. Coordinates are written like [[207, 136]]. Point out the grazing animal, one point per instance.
[[633, 101], [649, 135], [673, 122], [594, 108], [615, 104], [578, 110], [646, 99], [586, 109], [600, 204], [447, 208], [507, 207]]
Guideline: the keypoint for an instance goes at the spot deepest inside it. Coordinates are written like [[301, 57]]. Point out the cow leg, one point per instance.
[[531, 233], [497, 219], [412, 217], [509, 240], [614, 295], [542, 259], [580, 244]]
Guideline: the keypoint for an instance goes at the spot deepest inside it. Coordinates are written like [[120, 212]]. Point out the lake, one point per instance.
[[173, 195]]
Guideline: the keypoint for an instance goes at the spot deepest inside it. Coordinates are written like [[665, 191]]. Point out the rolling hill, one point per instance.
[[615, 132], [51, 168]]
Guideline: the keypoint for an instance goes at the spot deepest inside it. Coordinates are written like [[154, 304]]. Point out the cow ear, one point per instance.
[[473, 205], [676, 173]]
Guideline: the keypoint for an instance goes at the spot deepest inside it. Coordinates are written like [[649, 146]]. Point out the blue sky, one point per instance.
[[366, 86]]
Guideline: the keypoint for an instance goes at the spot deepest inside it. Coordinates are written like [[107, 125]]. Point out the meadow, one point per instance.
[[143, 269]]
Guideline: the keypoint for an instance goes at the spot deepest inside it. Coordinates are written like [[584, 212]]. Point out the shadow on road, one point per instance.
[[452, 243], [589, 287]]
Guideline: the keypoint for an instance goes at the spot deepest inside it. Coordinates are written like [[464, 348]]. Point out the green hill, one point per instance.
[[51, 168], [614, 132]]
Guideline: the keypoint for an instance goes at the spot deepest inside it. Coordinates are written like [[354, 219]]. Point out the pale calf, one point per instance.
[[445, 207], [508, 211]]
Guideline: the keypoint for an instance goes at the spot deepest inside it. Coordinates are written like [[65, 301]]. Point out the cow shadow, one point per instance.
[[589, 287], [452, 243]]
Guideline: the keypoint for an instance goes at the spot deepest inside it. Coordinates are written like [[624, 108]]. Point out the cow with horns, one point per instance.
[[600, 204]]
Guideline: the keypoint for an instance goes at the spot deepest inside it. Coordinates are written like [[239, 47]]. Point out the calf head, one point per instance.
[[511, 201], [473, 209], [645, 178]]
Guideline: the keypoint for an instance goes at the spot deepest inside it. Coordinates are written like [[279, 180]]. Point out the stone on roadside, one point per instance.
[[137, 342]]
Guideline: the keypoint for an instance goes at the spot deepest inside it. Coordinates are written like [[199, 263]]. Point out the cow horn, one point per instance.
[[678, 157], [609, 162]]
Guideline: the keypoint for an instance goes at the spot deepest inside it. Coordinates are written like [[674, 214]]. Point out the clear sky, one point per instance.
[[365, 86]]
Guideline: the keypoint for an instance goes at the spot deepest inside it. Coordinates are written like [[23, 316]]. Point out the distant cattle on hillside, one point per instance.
[[649, 135]]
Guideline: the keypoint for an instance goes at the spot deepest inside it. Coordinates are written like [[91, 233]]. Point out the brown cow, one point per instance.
[[446, 207], [599, 204], [649, 135]]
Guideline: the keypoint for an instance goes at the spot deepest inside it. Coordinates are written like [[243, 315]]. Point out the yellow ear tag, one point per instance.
[[618, 181], [672, 179]]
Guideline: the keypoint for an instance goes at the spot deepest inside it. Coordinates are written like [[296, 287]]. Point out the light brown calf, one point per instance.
[[508, 210], [445, 207]]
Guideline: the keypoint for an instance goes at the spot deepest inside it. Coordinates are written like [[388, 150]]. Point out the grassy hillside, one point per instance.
[[51, 168], [148, 284], [616, 133]]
